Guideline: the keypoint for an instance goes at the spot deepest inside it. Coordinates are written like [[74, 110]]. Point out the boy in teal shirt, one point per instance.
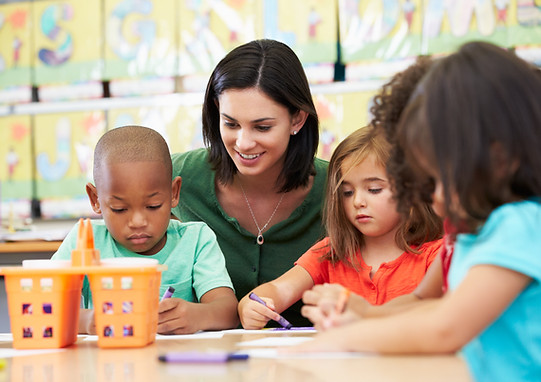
[[134, 194]]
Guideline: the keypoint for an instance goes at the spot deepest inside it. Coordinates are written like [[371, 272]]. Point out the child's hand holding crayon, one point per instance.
[[254, 314]]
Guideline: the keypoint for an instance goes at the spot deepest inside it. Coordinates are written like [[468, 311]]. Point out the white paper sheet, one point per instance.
[[7, 353], [275, 354], [276, 341], [160, 337], [273, 330]]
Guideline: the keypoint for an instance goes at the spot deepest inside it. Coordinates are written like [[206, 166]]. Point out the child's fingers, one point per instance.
[[169, 304], [335, 320], [310, 297], [269, 302], [266, 311], [313, 313], [322, 292]]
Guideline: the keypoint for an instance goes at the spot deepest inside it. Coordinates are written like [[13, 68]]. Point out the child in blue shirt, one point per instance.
[[134, 193], [474, 126]]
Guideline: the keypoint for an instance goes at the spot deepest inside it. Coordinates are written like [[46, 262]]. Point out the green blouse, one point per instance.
[[248, 263]]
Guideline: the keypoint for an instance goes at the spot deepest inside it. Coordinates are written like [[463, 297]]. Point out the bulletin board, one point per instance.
[[67, 41], [314, 39], [209, 29], [180, 125], [64, 146], [503, 22], [140, 38], [395, 29], [525, 22], [15, 50], [16, 155], [340, 115], [380, 30]]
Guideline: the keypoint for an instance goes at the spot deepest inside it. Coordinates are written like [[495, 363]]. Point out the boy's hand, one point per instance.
[[177, 316], [254, 315]]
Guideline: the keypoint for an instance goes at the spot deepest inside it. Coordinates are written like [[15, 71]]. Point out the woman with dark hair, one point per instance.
[[257, 183]]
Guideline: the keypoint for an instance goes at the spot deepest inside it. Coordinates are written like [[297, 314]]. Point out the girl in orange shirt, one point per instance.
[[370, 248]]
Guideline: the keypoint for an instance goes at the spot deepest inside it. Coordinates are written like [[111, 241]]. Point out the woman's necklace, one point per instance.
[[260, 240]]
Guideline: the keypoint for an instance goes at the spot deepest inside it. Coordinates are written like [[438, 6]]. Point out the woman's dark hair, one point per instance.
[[273, 68], [475, 120]]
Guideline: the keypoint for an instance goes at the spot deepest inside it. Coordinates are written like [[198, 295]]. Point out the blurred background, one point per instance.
[[70, 70]]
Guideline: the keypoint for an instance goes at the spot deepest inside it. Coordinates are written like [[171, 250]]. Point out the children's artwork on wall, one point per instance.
[[314, 39], [15, 52], [339, 115], [64, 146], [447, 25], [16, 166], [67, 41], [179, 124], [208, 29], [158, 118], [380, 30], [525, 22], [140, 38], [186, 134]]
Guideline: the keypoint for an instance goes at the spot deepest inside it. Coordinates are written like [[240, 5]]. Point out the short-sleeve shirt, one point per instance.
[[195, 263], [509, 349], [248, 263], [392, 279]]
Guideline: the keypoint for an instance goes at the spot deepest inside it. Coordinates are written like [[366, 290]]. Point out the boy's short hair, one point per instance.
[[131, 144]]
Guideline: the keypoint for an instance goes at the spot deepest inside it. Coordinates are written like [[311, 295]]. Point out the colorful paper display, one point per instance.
[[140, 38], [180, 125], [392, 29], [15, 34], [313, 39], [16, 166], [339, 115], [208, 29], [64, 146], [67, 41]]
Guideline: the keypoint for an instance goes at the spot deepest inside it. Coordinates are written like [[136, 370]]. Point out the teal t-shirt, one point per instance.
[[510, 348], [248, 263], [195, 263]]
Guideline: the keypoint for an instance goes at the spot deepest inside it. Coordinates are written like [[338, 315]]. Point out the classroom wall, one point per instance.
[[70, 70]]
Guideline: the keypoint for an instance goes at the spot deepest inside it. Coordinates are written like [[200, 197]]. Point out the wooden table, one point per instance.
[[13, 253], [84, 361]]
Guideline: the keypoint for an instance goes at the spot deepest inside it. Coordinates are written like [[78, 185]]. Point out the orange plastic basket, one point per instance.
[[44, 302], [126, 303], [43, 306]]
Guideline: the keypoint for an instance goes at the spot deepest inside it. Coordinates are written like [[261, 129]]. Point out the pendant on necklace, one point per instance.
[[259, 239]]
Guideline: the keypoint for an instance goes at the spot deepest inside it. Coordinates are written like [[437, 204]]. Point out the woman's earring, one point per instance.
[[294, 132]]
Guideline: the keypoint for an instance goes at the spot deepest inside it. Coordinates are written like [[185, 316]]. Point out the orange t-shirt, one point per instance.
[[395, 278]]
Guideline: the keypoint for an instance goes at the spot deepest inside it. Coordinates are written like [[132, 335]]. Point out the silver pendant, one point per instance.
[[259, 239]]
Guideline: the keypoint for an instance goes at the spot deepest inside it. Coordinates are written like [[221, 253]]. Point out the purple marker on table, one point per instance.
[[201, 357], [282, 321], [168, 293]]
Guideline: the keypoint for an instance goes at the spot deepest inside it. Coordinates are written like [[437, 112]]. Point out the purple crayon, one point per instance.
[[200, 357], [282, 321], [168, 293]]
